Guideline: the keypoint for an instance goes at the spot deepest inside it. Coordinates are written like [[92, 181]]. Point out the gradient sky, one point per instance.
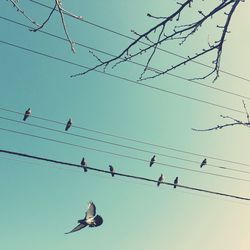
[[41, 201]]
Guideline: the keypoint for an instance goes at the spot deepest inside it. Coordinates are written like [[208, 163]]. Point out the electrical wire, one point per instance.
[[129, 139], [76, 171], [121, 155], [124, 175], [122, 78], [133, 39], [121, 145], [130, 61]]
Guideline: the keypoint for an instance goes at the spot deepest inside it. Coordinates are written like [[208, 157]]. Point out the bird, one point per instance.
[[69, 124], [152, 161], [90, 219], [27, 114], [175, 182], [84, 165], [204, 162], [112, 170], [161, 179]]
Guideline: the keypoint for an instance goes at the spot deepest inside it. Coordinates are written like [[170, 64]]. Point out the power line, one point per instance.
[[121, 145], [129, 139], [124, 175], [133, 39], [130, 61], [121, 155], [122, 78], [120, 180]]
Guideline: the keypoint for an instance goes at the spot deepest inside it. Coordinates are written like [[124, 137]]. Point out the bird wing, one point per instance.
[[97, 221], [77, 228], [91, 211]]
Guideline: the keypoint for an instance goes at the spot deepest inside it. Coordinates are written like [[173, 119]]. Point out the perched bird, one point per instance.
[[152, 161], [69, 124], [175, 182], [84, 165], [27, 114], [112, 170], [204, 162], [161, 179], [91, 219]]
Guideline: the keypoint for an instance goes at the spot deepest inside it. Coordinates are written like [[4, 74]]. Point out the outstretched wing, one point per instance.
[[97, 221], [91, 211], [77, 228]]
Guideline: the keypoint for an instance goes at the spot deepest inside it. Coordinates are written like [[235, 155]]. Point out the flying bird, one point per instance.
[[161, 179], [91, 219], [152, 161], [175, 182], [69, 124], [204, 162], [112, 170], [27, 114], [84, 165]]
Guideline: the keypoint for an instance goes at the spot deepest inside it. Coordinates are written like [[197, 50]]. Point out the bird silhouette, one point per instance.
[[84, 165], [112, 170], [91, 219], [175, 182], [69, 124], [161, 179], [204, 162], [27, 114], [152, 161]]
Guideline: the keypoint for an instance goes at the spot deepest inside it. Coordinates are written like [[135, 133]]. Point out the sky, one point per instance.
[[40, 201]]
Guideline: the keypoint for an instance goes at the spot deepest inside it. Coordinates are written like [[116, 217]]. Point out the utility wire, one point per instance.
[[121, 155], [124, 175], [129, 139], [122, 78], [121, 145], [130, 61], [133, 39], [201, 195]]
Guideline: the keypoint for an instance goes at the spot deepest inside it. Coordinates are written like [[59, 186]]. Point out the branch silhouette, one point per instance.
[[163, 33], [234, 122], [59, 8]]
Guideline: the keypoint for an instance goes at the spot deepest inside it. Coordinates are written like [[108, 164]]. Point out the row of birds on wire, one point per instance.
[[91, 219], [111, 168]]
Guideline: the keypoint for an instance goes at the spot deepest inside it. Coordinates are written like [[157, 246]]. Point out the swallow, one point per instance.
[[152, 161], [204, 162], [161, 179], [27, 114], [112, 170], [69, 124], [175, 182], [84, 165], [90, 219]]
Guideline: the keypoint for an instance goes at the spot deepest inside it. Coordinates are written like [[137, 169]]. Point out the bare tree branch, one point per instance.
[[61, 10], [235, 122], [180, 32]]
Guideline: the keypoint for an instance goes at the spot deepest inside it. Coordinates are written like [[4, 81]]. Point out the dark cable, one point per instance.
[[130, 139], [121, 155], [131, 38], [130, 61], [124, 175], [121, 145], [122, 78]]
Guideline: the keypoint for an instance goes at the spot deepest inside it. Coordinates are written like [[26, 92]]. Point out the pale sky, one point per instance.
[[41, 201]]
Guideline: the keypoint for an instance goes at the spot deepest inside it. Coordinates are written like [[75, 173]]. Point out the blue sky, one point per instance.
[[41, 201]]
